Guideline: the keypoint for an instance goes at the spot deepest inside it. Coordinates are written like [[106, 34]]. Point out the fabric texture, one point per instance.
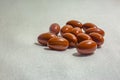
[[21, 21]]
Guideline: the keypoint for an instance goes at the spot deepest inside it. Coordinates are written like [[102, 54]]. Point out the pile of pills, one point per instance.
[[86, 38]]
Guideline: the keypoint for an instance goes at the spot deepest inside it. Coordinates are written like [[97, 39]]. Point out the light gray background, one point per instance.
[[21, 21]]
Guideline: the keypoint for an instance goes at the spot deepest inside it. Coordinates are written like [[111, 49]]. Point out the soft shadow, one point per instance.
[[98, 47], [47, 48], [71, 47], [81, 55], [39, 44]]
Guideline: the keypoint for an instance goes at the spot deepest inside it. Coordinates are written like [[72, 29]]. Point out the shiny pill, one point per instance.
[[58, 43], [97, 30], [71, 38], [97, 38], [75, 23], [82, 36], [86, 47], [76, 31], [86, 26], [44, 37], [66, 29], [54, 28]]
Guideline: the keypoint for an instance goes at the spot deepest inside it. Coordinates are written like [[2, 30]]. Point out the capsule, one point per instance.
[[71, 38], [54, 28], [86, 47], [97, 30], [86, 26], [82, 36], [66, 29], [97, 38], [75, 23], [76, 31], [44, 37], [58, 43]]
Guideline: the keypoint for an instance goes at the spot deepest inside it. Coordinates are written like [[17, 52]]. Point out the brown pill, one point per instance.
[[88, 25], [66, 29], [71, 38], [44, 37], [76, 31], [97, 38], [54, 28], [86, 47], [97, 30], [58, 43], [82, 36], [75, 23]]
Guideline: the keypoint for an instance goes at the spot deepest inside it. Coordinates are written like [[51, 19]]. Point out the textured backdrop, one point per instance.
[[21, 21]]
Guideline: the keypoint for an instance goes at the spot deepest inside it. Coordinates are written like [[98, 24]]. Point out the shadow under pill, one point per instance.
[[98, 47], [47, 49], [39, 44], [71, 47], [81, 55]]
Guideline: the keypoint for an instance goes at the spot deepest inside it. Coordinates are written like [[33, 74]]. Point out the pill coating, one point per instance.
[[75, 23], [97, 38], [82, 36], [86, 26], [86, 47], [54, 28], [66, 29], [44, 37], [58, 43], [76, 31], [71, 38], [97, 30]]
